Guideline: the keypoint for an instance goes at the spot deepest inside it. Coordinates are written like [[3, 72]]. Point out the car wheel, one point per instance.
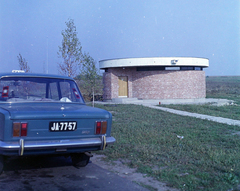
[[1, 164], [80, 159]]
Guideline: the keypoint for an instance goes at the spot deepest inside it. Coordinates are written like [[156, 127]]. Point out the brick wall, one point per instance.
[[156, 84]]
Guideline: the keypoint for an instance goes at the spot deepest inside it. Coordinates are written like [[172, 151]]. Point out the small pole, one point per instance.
[[93, 96], [47, 54]]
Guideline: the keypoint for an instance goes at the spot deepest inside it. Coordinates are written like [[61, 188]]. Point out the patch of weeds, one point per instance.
[[145, 169], [231, 178]]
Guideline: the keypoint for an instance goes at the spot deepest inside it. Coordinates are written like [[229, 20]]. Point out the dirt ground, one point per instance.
[[124, 171]]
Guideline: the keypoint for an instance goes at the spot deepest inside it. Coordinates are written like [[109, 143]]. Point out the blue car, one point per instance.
[[46, 114]]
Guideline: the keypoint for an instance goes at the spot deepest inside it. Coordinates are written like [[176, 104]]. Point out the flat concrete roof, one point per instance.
[[154, 61]]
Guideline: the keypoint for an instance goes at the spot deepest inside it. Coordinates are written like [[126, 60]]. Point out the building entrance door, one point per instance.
[[123, 86]]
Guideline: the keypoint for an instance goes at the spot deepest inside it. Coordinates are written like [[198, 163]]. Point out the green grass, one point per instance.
[[207, 158], [226, 87], [229, 111]]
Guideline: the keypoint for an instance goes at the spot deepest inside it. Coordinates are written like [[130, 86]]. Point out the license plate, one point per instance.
[[63, 126]]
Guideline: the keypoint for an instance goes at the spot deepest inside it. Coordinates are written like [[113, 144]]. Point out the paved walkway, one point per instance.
[[200, 116], [153, 104]]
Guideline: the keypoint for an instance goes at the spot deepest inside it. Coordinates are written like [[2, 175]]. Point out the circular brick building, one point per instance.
[[154, 78]]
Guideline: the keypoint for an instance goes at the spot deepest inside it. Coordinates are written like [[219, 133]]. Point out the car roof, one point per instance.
[[33, 75]]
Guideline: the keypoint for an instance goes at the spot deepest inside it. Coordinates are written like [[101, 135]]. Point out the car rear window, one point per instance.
[[34, 89]]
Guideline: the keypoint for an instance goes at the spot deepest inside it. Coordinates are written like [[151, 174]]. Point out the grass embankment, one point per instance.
[[207, 158], [227, 87]]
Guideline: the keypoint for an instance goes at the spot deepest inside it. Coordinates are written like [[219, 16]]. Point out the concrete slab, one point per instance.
[[218, 102], [123, 100]]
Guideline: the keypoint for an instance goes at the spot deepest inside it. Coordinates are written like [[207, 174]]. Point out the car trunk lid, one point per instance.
[[41, 116]]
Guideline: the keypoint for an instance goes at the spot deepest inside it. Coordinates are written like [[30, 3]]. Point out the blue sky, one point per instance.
[[110, 29]]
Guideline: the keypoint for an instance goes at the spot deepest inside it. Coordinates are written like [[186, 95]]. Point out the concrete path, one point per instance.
[[196, 115], [153, 104]]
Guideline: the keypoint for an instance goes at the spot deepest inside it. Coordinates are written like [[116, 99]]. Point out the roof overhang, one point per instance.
[[154, 61]]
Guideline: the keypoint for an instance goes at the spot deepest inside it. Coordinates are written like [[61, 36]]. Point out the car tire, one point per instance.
[[1, 164], [80, 159]]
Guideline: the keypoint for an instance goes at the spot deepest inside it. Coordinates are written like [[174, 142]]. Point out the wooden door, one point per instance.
[[123, 86]]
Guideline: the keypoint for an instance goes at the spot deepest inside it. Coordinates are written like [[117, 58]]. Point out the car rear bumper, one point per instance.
[[59, 146]]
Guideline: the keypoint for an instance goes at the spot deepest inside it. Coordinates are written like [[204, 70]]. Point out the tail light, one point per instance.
[[19, 129], [24, 129], [16, 129], [98, 127], [101, 127]]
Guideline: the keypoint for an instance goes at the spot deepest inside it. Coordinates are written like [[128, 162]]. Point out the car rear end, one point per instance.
[[47, 115], [60, 129]]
